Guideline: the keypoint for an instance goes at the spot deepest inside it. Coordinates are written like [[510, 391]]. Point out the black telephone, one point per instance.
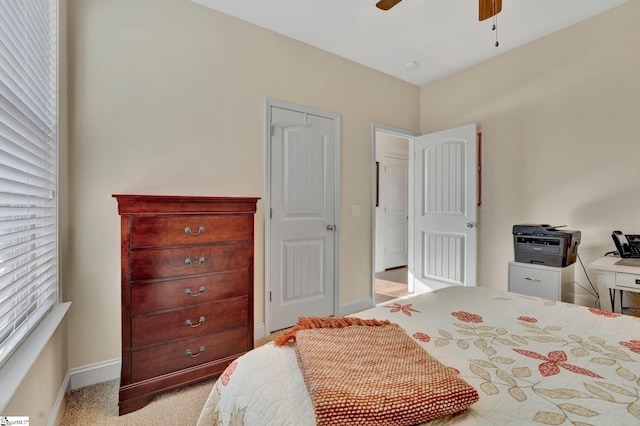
[[627, 245]]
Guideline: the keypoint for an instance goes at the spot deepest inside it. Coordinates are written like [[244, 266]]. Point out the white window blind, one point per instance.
[[28, 167]]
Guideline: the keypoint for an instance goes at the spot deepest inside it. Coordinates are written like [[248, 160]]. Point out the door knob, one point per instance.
[[331, 227], [470, 225]]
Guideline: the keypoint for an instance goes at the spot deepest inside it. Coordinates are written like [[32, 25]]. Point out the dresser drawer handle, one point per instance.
[[188, 261], [188, 292], [531, 279], [190, 324], [189, 353], [187, 230]]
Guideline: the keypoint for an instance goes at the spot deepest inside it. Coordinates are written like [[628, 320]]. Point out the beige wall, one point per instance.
[[168, 97], [37, 394], [560, 121]]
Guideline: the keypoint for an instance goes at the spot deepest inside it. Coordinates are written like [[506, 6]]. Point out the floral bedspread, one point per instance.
[[533, 361]]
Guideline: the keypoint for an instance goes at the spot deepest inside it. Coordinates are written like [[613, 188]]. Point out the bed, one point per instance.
[[531, 361]]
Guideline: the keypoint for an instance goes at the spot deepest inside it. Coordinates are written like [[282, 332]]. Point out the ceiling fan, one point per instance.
[[486, 8]]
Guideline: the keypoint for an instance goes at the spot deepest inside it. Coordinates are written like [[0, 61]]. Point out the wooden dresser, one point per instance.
[[187, 290]]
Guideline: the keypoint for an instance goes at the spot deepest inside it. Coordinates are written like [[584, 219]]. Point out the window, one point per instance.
[[28, 167]]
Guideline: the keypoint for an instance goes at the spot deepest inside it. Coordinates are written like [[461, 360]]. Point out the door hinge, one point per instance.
[[270, 213], [269, 296], [273, 130]]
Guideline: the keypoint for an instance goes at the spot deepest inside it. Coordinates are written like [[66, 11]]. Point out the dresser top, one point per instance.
[[143, 205]]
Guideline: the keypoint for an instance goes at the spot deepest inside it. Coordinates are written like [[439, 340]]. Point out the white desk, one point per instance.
[[611, 276]]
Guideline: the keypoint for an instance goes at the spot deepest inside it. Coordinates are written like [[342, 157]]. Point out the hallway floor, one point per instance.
[[391, 284]]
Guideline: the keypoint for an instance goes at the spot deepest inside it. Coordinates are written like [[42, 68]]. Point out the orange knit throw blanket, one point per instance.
[[370, 372], [306, 323]]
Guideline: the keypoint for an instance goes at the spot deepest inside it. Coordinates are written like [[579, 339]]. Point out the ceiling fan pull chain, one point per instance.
[[495, 26]]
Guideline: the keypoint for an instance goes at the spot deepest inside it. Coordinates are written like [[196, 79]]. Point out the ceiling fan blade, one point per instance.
[[387, 4], [488, 8]]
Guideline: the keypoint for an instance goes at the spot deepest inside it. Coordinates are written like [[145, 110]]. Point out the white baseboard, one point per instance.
[[61, 402], [94, 373], [258, 331], [80, 377], [356, 306]]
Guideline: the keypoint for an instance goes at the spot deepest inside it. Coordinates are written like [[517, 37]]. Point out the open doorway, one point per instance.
[[442, 207], [391, 284], [391, 205]]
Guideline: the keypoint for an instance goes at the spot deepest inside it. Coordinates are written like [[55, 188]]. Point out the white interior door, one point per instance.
[[302, 226], [445, 217], [396, 215]]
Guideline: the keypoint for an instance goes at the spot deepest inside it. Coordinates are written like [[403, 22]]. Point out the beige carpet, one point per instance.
[[97, 405]]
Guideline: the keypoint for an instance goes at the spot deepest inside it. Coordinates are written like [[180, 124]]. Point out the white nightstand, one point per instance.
[[548, 282]]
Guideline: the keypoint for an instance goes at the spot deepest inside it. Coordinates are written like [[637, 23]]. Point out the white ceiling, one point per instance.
[[440, 36]]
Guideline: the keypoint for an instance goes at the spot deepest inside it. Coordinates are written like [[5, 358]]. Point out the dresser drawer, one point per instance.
[[149, 297], [204, 318], [175, 262], [181, 230], [164, 359]]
